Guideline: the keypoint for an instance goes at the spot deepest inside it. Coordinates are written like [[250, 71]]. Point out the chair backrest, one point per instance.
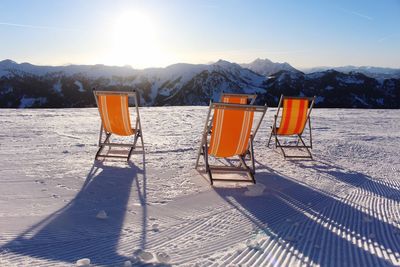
[[294, 115], [238, 98], [114, 112], [231, 129]]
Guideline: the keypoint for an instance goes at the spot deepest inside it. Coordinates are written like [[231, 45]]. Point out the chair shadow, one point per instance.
[[74, 232], [316, 225], [354, 178]]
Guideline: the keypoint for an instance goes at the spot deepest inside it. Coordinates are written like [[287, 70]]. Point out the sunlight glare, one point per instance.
[[135, 41]]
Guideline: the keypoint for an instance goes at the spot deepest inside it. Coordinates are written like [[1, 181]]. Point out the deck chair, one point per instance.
[[115, 119], [238, 98], [235, 99], [231, 135], [295, 115]]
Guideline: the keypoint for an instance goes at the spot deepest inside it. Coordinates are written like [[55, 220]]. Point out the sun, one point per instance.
[[135, 41]]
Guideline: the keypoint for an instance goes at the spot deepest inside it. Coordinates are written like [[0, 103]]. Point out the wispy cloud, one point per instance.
[[360, 15], [36, 26], [384, 38]]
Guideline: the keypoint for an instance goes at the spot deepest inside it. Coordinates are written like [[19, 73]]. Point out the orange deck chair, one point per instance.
[[115, 119], [295, 115], [238, 98], [230, 134], [232, 98]]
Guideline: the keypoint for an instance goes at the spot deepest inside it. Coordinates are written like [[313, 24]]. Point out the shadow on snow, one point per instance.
[[317, 225], [74, 232]]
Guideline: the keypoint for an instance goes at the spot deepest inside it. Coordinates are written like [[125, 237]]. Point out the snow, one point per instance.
[[314, 75], [266, 67], [7, 90], [380, 101], [83, 263], [283, 77], [341, 209], [27, 102], [359, 99], [374, 72], [102, 215], [349, 80], [254, 190], [80, 86], [319, 99], [57, 87]]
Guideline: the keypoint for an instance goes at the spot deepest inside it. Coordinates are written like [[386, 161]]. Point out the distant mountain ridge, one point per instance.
[[373, 72], [26, 85], [10, 67]]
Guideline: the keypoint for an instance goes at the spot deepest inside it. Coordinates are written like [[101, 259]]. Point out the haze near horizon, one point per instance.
[[159, 33]]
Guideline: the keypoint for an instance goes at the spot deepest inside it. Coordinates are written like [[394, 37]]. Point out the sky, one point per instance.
[[157, 33]]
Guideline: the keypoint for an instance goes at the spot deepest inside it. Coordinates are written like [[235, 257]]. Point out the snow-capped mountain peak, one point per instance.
[[266, 67]]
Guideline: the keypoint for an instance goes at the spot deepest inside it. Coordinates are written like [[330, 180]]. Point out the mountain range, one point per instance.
[[26, 85], [373, 72]]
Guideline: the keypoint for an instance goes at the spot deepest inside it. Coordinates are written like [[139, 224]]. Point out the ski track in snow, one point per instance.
[[341, 209]]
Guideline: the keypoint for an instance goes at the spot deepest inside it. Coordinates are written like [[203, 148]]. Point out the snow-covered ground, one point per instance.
[[57, 205]]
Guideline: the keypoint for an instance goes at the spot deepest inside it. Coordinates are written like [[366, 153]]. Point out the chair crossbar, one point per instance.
[[230, 106], [239, 95], [226, 168], [116, 144], [128, 93], [233, 180], [298, 157], [295, 146], [111, 156], [251, 97], [299, 97]]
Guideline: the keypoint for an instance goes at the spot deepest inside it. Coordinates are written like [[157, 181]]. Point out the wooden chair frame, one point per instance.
[[105, 142], [299, 136]]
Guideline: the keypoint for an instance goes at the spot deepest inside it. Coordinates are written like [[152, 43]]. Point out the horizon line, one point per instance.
[[209, 63]]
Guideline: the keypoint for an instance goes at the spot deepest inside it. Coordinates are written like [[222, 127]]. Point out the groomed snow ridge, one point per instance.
[[59, 207]]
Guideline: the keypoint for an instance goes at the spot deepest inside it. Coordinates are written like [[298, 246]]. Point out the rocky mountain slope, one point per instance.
[[25, 85]]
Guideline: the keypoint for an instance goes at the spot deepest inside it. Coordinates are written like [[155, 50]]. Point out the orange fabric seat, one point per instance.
[[294, 116], [230, 132], [114, 112]]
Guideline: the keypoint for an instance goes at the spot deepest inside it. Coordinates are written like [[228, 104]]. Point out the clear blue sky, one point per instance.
[[161, 32]]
